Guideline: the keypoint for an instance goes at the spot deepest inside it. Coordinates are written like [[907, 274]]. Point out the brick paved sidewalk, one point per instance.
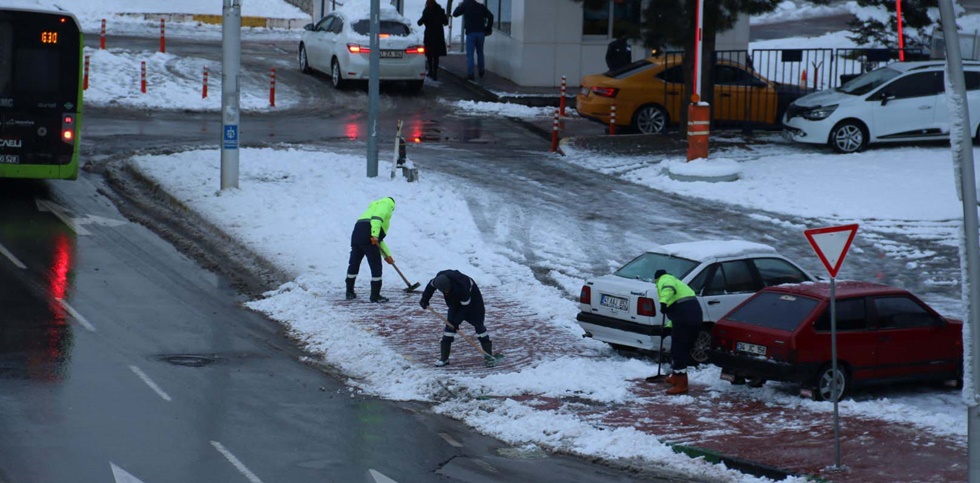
[[754, 435]]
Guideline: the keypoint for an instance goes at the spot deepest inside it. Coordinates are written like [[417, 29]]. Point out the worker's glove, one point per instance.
[[389, 260], [424, 304], [663, 308], [374, 241]]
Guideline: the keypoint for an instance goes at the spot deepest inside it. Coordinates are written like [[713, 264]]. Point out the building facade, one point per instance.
[[536, 42]]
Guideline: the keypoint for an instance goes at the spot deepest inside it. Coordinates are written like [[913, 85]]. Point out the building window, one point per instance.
[[502, 16], [624, 14]]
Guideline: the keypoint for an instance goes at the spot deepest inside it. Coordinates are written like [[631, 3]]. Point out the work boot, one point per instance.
[[671, 379], [680, 385], [350, 289], [445, 346], [486, 345], [376, 292]]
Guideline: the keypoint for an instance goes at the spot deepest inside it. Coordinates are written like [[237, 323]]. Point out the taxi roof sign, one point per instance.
[[831, 244]]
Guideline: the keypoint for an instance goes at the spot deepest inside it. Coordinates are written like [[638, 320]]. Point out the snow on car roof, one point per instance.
[[361, 10], [703, 250]]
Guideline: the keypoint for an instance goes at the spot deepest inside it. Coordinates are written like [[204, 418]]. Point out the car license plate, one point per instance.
[[617, 303], [9, 159], [750, 348], [391, 54]]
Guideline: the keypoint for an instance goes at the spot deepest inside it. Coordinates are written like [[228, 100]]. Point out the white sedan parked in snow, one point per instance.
[[621, 309], [339, 44]]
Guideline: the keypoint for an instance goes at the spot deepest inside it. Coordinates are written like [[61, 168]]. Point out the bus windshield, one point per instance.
[[40, 94]]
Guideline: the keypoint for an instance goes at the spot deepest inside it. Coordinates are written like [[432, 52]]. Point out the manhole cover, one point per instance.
[[188, 360]]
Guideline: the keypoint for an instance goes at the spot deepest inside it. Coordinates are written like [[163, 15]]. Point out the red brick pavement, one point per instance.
[[726, 423]]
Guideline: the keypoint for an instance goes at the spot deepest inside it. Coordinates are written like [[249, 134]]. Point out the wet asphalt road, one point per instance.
[[123, 359]]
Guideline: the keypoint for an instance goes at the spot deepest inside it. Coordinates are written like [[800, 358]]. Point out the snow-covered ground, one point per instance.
[[302, 223]]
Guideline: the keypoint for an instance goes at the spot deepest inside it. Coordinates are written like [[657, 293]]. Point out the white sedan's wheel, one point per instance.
[[304, 62], [336, 78], [848, 137]]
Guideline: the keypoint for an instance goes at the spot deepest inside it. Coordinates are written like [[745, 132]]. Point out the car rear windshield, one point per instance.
[[389, 27], [628, 70], [644, 266], [774, 310]]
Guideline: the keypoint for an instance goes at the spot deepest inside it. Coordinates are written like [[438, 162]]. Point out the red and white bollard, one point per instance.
[[163, 44], [272, 88], [102, 36], [554, 133], [143, 77], [204, 88], [612, 119], [85, 77], [561, 102]]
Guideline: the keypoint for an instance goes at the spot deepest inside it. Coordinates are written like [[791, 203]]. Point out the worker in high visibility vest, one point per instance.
[[679, 303], [367, 240]]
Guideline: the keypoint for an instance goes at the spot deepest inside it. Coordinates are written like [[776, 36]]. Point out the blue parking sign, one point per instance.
[[230, 136]]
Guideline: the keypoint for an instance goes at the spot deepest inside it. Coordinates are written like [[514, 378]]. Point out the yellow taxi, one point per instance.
[[649, 95]]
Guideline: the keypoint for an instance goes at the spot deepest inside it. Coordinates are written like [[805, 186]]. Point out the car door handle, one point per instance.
[[923, 108], [714, 302]]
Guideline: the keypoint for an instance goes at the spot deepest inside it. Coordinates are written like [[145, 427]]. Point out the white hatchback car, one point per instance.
[[901, 102], [339, 44], [621, 309]]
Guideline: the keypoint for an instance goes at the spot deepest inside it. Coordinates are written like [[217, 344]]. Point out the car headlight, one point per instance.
[[819, 113]]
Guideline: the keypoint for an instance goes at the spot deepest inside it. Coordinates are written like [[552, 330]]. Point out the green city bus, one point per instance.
[[40, 92]]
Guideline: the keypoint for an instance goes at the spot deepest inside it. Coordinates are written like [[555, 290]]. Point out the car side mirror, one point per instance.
[[308, 26], [885, 97]]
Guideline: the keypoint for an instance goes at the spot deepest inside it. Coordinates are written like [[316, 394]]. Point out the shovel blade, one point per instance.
[[412, 287]]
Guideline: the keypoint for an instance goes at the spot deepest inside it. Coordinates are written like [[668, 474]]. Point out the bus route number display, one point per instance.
[[48, 37]]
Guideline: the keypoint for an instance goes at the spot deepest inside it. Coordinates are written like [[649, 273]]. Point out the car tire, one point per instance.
[[336, 77], [822, 383], [848, 137], [699, 353], [650, 119], [304, 61], [755, 381]]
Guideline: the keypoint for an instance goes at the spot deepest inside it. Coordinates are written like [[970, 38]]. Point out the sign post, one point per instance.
[[831, 245]]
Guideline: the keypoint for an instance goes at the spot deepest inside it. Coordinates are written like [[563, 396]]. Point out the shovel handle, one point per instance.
[[401, 274], [467, 339]]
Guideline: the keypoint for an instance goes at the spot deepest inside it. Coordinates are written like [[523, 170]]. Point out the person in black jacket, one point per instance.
[[433, 18], [465, 303], [477, 21], [619, 53]]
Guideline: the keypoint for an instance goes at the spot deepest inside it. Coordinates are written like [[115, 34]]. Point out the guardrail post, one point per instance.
[[272, 88], [85, 77], [561, 103]]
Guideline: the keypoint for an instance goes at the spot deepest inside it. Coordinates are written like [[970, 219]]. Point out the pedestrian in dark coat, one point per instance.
[[477, 21], [434, 19], [465, 303], [619, 53]]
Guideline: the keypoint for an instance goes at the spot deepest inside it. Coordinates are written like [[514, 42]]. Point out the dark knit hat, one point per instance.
[[441, 282], [658, 273]]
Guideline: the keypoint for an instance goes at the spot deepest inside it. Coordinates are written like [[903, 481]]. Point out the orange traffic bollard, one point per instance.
[[561, 102], [163, 45], [102, 36], [554, 133], [612, 119], [85, 78], [698, 128], [143, 77], [272, 89], [204, 88]]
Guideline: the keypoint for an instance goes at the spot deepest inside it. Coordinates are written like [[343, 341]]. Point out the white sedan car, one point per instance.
[[339, 44], [621, 309], [901, 102]]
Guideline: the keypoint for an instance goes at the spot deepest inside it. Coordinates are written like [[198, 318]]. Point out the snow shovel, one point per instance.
[[487, 357], [660, 377], [411, 286]]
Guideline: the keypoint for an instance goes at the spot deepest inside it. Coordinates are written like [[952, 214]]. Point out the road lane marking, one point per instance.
[[77, 316], [235, 462], [44, 205], [452, 441], [11, 257], [149, 382], [379, 477], [122, 476]]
